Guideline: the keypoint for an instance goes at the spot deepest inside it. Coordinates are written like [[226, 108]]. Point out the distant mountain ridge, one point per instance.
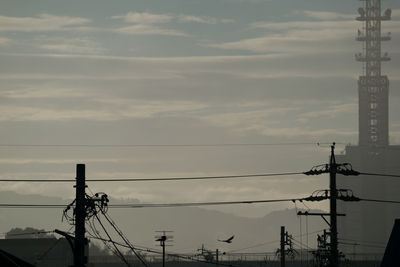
[[191, 226]]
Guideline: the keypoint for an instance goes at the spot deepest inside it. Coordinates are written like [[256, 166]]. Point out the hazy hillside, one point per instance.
[[192, 226]]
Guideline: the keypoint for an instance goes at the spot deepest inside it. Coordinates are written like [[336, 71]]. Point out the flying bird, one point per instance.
[[229, 240]]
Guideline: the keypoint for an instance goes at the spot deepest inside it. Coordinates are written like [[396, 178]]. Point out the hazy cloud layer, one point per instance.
[[43, 22], [197, 72]]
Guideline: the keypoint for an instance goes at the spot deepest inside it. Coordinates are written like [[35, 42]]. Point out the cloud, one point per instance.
[[116, 109], [247, 1], [322, 15], [42, 23], [329, 112], [395, 13], [148, 23], [145, 24], [145, 18], [271, 119], [243, 121], [41, 92], [23, 161], [295, 37], [301, 133], [143, 29], [308, 25], [73, 46], [5, 41], [202, 19], [291, 42]]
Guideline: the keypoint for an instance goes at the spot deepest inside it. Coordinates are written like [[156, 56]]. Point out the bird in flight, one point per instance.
[[229, 240]]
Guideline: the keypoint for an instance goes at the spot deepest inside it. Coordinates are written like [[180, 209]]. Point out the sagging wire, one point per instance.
[[190, 258], [96, 234], [42, 256], [94, 205], [113, 224], [301, 240], [115, 246]]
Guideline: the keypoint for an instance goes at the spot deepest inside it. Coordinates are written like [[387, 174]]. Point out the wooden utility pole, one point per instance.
[[283, 242], [333, 218], [332, 168], [80, 214]]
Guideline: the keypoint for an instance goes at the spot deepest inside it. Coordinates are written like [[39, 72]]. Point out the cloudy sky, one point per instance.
[[182, 72]]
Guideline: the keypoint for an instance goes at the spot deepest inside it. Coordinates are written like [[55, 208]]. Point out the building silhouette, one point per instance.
[[367, 225]]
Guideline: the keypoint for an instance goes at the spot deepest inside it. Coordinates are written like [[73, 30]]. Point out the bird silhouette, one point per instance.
[[162, 238], [229, 240]]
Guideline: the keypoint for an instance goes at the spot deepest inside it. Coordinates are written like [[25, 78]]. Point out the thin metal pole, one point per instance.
[[163, 254], [282, 246], [80, 241]]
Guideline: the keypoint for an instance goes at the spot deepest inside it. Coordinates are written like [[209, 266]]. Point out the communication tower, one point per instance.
[[373, 87], [368, 222]]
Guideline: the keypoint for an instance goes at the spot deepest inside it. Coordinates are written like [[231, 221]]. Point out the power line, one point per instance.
[[184, 204], [362, 241], [361, 245], [175, 178], [190, 258], [301, 244], [158, 205], [154, 179], [254, 246], [160, 145], [380, 200], [192, 204], [119, 232], [380, 174], [27, 206], [117, 251]]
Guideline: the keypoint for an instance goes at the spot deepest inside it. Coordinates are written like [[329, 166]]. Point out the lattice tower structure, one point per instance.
[[373, 87]]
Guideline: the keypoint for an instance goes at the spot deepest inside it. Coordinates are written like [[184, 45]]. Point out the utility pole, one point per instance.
[[283, 235], [332, 194], [163, 253], [333, 210], [80, 215], [163, 239], [217, 257]]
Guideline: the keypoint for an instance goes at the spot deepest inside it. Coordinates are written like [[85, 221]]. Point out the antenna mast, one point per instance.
[[373, 87]]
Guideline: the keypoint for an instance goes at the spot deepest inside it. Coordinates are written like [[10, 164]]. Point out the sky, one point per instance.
[[138, 74]]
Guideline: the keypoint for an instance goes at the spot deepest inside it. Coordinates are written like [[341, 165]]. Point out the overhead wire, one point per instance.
[[380, 174], [121, 256], [190, 258], [380, 200], [176, 178], [362, 241], [361, 245], [45, 253], [301, 245], [96, 234], [191, 204], [155, 179], [254, 246], [119, 232], [161, 145], [158, 205], [184, 204]]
